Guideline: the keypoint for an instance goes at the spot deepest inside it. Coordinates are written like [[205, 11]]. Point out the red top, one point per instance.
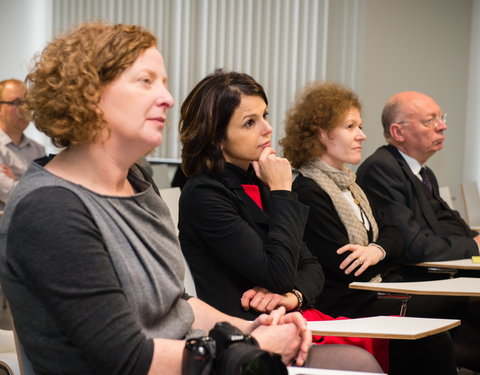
[[254, 193]]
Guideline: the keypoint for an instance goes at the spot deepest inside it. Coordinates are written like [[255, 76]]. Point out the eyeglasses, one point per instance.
[[16, 103], [430, 123]]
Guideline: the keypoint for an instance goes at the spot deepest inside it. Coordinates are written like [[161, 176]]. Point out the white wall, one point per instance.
[[418, 45], [471, 167], [378, 47], [24, 30]]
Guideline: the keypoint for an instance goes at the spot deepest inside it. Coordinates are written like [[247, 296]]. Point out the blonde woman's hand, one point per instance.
[[360, 258], [273, 170]]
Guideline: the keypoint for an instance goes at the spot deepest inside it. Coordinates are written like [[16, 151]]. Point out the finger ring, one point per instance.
[[360, 261]]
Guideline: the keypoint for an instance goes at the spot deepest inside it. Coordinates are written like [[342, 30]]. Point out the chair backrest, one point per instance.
[[471, 198], [23, 361], [446, 195], [8, 354], [171, 196], [161, 175]]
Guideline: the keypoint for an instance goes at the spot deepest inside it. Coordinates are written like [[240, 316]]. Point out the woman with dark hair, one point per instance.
[[352, 241], [90, 261], [240, 226], [233, 171]]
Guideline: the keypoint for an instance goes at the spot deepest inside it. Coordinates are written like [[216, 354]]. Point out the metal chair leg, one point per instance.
[[403, 297]]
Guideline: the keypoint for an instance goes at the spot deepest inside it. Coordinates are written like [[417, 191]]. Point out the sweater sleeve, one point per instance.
[[56, 251]]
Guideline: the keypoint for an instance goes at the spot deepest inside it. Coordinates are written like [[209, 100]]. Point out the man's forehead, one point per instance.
[[421, 105]]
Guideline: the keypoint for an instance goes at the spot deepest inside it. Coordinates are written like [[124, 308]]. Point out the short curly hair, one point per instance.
[[204, 117], [320, 105], [65, 84]]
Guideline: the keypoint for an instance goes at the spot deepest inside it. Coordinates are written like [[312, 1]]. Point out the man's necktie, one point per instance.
[[426, 179]]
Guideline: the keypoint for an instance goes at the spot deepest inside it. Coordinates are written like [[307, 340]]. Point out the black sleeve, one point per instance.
[[56, 249], [389, 237], [210, 211], [310, 277], [325, 232]]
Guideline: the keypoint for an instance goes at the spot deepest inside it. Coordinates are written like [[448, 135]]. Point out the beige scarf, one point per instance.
[[334, 181]]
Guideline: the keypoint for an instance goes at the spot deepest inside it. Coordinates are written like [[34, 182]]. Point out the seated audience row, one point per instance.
[[88, 247], [240, 226]]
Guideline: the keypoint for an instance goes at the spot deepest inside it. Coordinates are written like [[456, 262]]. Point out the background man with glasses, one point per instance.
[[406, 191], [16, 150]]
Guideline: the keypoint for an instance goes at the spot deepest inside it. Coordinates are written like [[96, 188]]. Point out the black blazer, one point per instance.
[[231, 245], [401, 196], [324, 234]]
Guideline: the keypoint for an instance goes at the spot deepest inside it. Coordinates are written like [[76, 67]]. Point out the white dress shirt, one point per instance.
[[17, 158]]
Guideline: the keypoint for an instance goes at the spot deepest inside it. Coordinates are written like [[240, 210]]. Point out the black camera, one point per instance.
[[227, 351]]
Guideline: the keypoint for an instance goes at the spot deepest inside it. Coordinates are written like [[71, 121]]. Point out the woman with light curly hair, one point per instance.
[[353, 242], [89, 257]]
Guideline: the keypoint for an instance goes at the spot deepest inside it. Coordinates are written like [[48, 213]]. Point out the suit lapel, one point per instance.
[[419, 190]]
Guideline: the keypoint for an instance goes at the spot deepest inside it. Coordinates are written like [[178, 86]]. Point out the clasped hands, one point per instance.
[[282, 333]]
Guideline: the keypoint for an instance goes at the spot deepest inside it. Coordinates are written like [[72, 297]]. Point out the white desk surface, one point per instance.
[[460, 286], [460, 264], [386, 327], [316, 371]]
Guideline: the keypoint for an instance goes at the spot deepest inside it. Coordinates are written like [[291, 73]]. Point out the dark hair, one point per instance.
[[66, 82], [320, 105], [204, 117]]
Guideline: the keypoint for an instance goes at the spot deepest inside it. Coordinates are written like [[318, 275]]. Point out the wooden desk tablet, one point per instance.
[[386, 327], [460, 264], [461, 286]]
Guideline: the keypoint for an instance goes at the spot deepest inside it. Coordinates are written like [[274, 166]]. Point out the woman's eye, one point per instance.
[[146, 80], [265, 115], [249, 123]]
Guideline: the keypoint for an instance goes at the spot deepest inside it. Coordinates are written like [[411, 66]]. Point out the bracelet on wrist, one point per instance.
[[299, 296]]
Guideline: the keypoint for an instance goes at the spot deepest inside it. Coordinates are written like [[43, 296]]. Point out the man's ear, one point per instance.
[[396, 132]]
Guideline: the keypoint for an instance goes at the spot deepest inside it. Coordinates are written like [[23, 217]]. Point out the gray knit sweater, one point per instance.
[[91, 278]]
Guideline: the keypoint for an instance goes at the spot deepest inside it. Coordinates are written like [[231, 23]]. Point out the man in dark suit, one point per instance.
[[396, 179]]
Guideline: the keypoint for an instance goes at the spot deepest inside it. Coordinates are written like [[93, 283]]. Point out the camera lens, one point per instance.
[[245, 359], [265, 363]]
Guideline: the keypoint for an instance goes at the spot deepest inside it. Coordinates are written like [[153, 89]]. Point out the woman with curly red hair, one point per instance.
[[353, 242]]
